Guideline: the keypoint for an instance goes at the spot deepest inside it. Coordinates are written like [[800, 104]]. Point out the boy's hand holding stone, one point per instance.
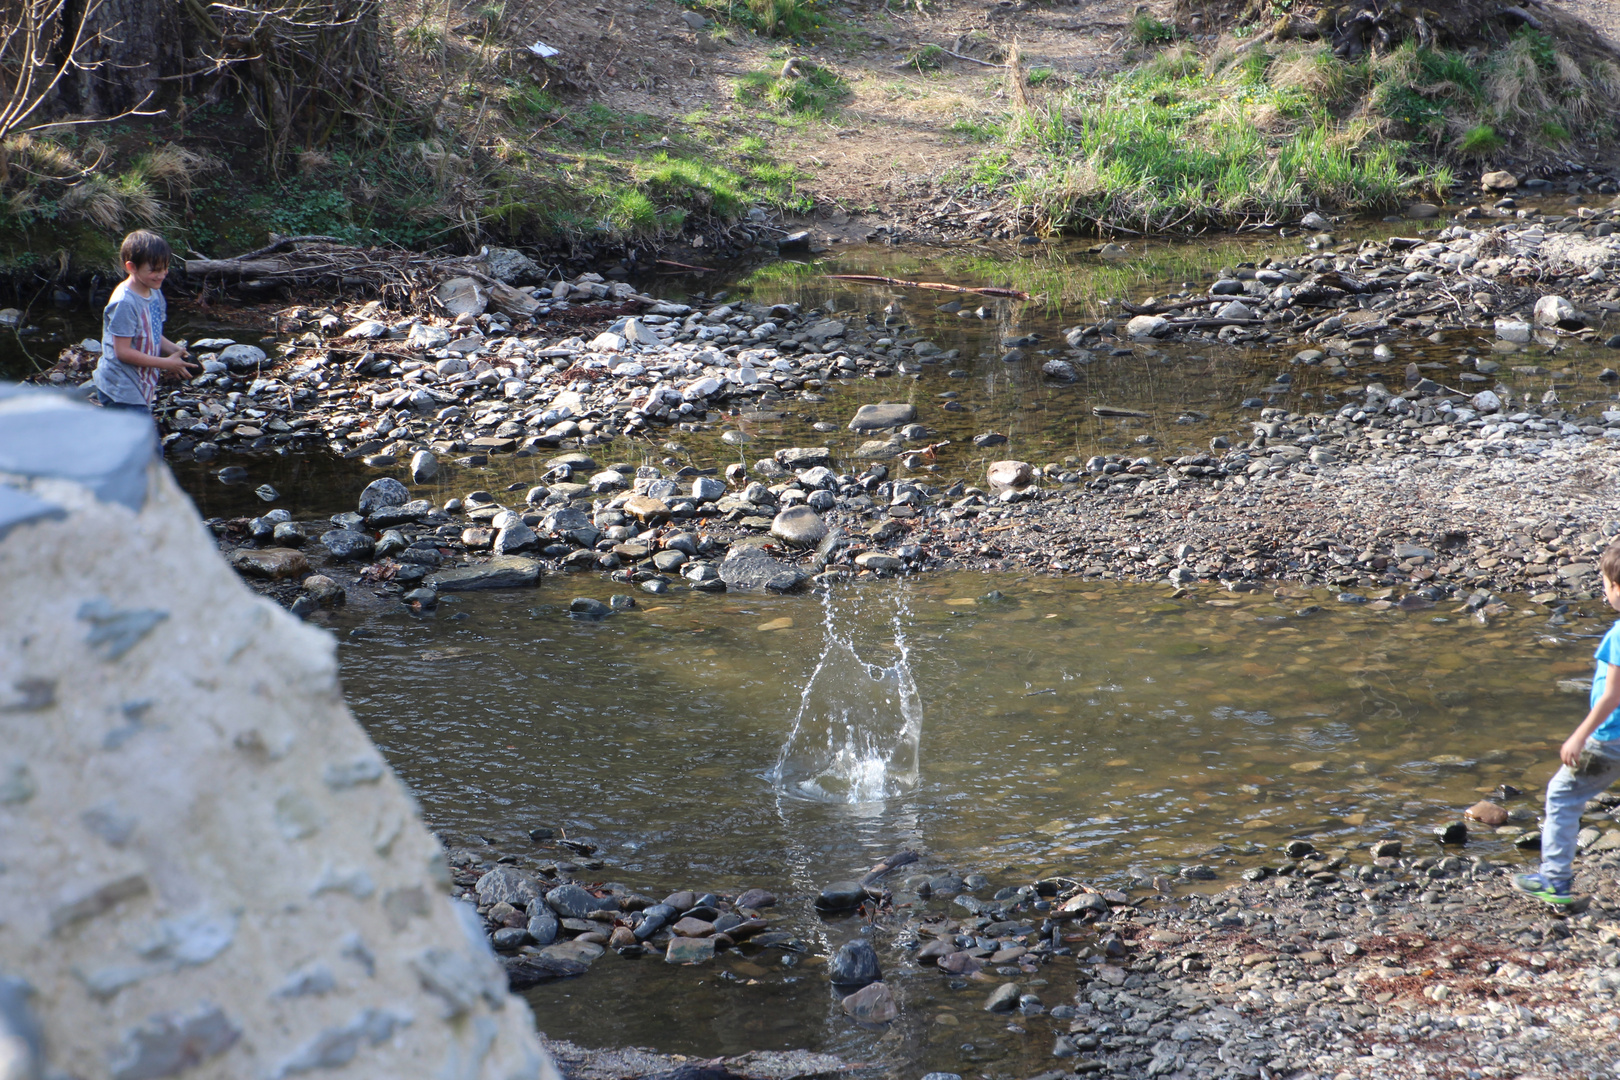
[[1570, 752]]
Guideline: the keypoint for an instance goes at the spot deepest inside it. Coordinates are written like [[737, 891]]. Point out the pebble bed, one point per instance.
[[1371, 961], [1436, 492]]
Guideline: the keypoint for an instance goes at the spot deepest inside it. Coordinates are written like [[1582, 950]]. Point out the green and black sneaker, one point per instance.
[[1538, 886]]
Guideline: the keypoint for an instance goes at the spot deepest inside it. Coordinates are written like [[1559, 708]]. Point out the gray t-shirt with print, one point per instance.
[[139, 318]]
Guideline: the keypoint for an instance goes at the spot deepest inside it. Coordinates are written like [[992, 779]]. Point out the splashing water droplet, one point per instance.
[[857, 735]]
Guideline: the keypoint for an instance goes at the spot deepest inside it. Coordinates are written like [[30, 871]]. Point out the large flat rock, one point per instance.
[[883, 415], [501, 572], [751, 568]]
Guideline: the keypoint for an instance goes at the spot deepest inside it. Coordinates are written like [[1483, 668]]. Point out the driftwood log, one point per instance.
[[324, 261]]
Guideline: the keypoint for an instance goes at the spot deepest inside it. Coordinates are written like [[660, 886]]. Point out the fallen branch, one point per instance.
[[684, 266], [901, 283], [971, 59]]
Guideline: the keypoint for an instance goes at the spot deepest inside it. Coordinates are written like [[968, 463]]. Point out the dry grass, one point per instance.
[[175, 167], [1312, 69]]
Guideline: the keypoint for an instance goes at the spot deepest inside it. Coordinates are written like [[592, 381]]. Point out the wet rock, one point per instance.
[[1315, 222], [685, 950], [1010, 473], [1555, 311], [1513, 330], [508, 938], [872, 1004], [1423, 211], [1454, 833], [385, 517], [389, 544], [1487, 813], [854, 964], [1003, 998], [242, 358], [275, 564], [588, 607], [879, 562], [383, 492], [522, 972], [989, 438], [501, 572], [1386, 849], [289, 534], [647, 510], [751, 568], [883, 415], [508, 885], [841, 896], [654, 919], [803, 457], [513, 538], [347, 544], [571, 901], [799, 526], [324, 591], [1145, 326], [756, 900], [424, 466], [1499, 180], [1235, 310]]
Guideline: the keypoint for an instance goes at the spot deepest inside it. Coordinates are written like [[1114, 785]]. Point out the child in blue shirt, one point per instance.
[[1590, 756], [133, 349]]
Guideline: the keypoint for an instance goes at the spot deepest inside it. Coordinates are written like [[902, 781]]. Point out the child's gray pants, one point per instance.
[[1567, 794]]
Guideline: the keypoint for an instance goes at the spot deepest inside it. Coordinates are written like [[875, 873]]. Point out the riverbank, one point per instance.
[[1407, 959]]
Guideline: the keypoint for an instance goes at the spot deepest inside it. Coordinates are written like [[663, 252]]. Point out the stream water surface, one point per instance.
[[1017, 727]]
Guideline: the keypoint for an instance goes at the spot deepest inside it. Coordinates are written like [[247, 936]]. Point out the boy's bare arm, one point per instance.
[[1602, 709], [125, 351], [170, 348]]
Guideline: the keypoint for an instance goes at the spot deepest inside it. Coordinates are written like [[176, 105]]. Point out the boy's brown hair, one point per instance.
[[145, 248], [1609, 563]]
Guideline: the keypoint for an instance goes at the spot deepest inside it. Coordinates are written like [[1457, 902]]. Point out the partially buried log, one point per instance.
[[937, 286], [321, 261]]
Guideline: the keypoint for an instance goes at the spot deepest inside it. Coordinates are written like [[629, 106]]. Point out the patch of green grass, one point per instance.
[[979, 130], [796, 19], [816, 92], [1480, 139], [1553, 132], [927, 58], [696, 183], [1162, 150], [1146, 30], [1040, 75]]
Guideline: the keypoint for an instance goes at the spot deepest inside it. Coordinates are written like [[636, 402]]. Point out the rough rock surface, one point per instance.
[[205, 866]]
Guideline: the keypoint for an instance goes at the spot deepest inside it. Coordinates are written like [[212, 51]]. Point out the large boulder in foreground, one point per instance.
[[210, 870]]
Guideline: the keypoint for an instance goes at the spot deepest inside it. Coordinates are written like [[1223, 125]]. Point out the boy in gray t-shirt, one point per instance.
[[134, 351]]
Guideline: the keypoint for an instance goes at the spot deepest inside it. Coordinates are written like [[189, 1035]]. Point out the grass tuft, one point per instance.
[[815, 92], [1146, 30]]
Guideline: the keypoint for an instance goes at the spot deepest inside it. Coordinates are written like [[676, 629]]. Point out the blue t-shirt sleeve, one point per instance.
[[122, 319], [1608, 650]]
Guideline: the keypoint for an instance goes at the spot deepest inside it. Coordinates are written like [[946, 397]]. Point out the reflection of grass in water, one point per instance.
[[1061, 280]]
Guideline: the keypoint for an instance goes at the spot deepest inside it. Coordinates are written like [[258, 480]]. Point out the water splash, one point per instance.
[[856, 738]]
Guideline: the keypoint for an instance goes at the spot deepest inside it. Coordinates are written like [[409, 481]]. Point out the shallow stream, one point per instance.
[[1015, 727]]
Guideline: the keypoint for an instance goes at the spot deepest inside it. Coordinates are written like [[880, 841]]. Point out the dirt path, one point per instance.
[[879, 153]]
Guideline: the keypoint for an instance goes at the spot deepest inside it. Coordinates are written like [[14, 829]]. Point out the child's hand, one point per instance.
[[177, 364], [1570, 752]]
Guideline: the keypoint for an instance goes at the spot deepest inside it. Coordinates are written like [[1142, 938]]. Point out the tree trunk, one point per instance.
[[132, 51]]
